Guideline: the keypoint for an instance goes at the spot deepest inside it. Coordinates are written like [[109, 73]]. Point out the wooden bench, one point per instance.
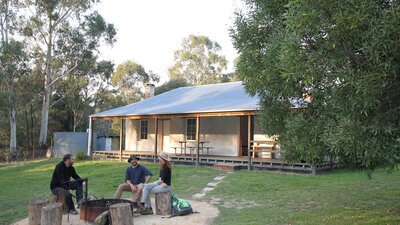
[[182, 150], [207, 149], [192, 150], [267, 147], [201, 152]]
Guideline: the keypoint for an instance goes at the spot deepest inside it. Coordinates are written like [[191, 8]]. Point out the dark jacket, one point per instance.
[[165, 175], [62, 174]]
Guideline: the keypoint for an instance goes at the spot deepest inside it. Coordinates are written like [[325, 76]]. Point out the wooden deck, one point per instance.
[[209, 160]]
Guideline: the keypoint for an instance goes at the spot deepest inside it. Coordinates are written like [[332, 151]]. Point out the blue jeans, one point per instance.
[[152, 188]]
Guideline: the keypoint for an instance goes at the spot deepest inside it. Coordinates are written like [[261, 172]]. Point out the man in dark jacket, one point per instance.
[[60, 182]]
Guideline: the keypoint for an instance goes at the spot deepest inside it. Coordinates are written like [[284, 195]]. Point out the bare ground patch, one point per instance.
[[207, 214]]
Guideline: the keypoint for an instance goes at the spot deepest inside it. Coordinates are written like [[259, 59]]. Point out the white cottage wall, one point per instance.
[[176, 133], [222, 133], [133, 141]]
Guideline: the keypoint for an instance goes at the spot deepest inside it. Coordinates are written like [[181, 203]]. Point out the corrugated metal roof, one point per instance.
[[224, 97]]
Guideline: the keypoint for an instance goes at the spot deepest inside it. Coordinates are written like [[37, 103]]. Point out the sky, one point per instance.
[[149, 31]]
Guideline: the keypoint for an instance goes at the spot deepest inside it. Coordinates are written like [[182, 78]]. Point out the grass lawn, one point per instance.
[[342, 197]]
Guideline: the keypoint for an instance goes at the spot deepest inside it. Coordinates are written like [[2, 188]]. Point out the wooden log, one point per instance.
[[102, 219], [35, 210], [61, 197], [52, 214], [121, 214], [163, 203]]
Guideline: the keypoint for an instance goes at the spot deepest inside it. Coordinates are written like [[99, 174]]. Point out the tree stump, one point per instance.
[[52, 214], [35, 211], [163, 203], [121, 214], [61, 197]]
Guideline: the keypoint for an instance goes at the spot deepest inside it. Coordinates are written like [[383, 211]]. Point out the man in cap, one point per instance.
[[136, 176]]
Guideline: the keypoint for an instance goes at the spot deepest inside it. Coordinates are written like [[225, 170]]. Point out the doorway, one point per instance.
[[244, 134], [165, 135]]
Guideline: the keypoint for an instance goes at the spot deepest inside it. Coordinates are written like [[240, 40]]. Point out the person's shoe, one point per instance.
[[80, 203], [147, 211], [73, 212], [140, 209]]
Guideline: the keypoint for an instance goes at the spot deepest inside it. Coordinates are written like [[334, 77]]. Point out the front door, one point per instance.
[[165, 133], [244, 133]]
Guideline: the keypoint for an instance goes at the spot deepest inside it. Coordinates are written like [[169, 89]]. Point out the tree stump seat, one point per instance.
[[121, 214], [35, 210], [52, 214], [163, 203], [60, 197]]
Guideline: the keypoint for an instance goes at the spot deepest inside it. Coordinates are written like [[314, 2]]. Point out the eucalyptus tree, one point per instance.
[[57, 30], [338, 64], [170, 85], [198, 61], [129, 79], [12, 66], [78, 94]]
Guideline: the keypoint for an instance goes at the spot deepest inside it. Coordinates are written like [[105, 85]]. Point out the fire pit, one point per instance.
[[93, 208]]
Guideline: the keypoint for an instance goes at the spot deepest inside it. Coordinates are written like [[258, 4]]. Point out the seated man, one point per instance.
[[136, 176], [60, 182]]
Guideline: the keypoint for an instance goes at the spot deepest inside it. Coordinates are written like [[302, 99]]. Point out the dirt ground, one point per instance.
[[207, 214]]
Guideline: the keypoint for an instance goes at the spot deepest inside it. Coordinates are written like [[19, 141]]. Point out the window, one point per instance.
[[144, 126], [191, 129]]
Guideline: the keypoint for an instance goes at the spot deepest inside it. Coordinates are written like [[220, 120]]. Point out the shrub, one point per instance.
[[81, 155]]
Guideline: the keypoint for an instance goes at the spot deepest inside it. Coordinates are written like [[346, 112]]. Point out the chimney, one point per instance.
[[148, 90]]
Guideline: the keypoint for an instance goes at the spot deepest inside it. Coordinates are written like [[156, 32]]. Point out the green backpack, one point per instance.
[[180, 207]]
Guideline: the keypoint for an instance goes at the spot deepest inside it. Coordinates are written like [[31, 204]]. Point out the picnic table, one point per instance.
[[268, 146], [184, 146]]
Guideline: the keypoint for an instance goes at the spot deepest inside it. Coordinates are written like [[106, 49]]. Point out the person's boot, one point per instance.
[[147, 211], [140, 208]]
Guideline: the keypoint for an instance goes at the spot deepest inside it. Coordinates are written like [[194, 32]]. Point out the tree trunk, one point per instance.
[[35, 211], [28, 142], [121, 214], [52, 214], [46, 90], [32, 138], [13, 132], [74, 122], [45, 117], [163, 203]]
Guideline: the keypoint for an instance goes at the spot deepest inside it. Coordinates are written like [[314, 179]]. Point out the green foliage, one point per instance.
[[129, 79], [64, 36], [80, 155], [338, 64], [170, 85], [198, 61]]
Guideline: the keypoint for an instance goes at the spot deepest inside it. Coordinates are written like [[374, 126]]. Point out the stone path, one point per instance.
[[210, 186]]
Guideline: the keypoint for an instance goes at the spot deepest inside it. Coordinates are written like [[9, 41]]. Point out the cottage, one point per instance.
[[206, 124], [212, 120]]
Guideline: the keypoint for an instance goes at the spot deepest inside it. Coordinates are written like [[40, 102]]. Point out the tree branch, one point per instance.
[[62, 18], [65, 74]]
